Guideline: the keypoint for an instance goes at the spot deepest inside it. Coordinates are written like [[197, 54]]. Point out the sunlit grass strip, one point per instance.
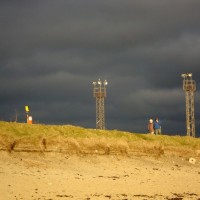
[[37, 131]]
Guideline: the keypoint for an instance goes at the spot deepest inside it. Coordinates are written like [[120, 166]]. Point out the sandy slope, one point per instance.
[[57, 177]]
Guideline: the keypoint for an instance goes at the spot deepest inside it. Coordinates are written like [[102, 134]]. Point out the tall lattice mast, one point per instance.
[[189, 86], [99, 92]]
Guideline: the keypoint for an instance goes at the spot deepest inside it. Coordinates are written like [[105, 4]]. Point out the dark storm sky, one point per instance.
[[51, 52]]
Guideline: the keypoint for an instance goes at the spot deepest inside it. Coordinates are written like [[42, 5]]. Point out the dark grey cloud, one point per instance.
[[51, 51]]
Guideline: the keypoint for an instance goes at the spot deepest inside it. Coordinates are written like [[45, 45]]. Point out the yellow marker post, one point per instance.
[[26, 108], [28, 118]]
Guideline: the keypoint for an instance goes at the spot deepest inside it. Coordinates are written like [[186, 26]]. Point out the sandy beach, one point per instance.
[[54, 176]]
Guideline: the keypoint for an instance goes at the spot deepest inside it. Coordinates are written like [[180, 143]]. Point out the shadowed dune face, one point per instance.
[[18, 137], [98, 146]]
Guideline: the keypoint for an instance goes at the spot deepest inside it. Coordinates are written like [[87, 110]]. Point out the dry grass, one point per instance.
[[77, 140]]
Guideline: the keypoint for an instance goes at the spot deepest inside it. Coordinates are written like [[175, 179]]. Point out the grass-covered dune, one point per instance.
[[67, 139]]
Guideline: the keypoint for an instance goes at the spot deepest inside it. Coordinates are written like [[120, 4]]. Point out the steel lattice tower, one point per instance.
[[189, 86], [99, 92]]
